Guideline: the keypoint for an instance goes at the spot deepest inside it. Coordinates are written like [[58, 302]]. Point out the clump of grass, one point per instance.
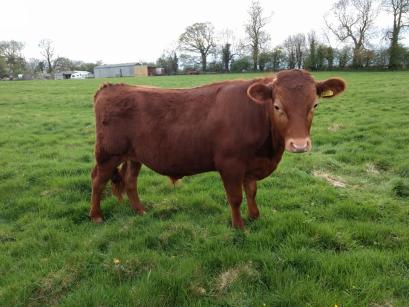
[[404, 171], [400, 188], [383, 164], [227, 278]]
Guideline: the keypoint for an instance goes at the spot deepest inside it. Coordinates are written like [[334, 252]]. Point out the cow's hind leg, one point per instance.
[[131, 177], [250, 186], [101, 173]]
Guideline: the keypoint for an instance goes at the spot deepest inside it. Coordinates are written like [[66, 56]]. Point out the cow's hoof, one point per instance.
[[139, 209], [238, 224], [97, 220], [254, 216], [141, 212]]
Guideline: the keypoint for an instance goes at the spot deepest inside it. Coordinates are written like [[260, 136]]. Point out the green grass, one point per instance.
[[314, 245]]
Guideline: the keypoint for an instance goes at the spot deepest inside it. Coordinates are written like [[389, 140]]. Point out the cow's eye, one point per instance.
[[276, 107], [315, 105]]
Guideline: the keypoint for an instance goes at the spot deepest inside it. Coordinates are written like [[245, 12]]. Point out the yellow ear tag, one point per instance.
[[327, 93]]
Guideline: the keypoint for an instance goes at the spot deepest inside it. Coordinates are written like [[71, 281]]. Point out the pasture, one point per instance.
[[334, 225]]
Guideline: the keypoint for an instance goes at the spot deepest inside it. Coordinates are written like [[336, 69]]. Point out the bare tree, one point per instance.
[[254, 30], [47, 51], [300, 49], [296, 50], [289, 47], [353, 21], [230, 47], [11, 48], [311, 59], [277, 58], [198, 38], [400, 12]]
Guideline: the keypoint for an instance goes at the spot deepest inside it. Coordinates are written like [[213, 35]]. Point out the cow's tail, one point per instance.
[[118, 181]]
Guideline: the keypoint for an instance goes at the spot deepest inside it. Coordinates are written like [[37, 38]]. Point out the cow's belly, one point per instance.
[[176, 160], [179, 169], [260, 168]]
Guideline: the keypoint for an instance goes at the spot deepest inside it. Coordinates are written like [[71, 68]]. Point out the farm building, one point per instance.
[[126, 70]]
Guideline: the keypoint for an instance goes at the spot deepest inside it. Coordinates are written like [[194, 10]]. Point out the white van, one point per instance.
[[80, 75]]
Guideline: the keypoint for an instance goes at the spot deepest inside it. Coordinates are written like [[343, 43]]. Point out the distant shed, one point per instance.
[[126, 70], [63, 75]]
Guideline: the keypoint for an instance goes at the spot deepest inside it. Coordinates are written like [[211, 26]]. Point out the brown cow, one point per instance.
[[238, 128]]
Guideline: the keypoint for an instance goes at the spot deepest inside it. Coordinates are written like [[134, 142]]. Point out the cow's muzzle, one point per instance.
[[298, 145]]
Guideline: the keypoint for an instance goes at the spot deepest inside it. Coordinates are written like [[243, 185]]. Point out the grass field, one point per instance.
[[334, 226]]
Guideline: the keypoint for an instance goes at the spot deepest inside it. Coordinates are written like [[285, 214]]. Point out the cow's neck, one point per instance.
[[277, 141]]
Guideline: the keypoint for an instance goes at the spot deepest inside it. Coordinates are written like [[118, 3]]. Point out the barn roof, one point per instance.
[[118, 65]]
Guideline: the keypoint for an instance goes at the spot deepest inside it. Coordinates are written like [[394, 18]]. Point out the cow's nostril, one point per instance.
[[299, 146]]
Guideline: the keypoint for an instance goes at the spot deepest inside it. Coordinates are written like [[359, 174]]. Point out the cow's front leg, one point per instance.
[[232, 177], [250, 186]]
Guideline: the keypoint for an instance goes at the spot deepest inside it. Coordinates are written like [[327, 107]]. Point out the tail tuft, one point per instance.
[[118, 181]]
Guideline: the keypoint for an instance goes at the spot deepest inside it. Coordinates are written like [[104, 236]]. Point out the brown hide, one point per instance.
[[179, 132], [230, 127]]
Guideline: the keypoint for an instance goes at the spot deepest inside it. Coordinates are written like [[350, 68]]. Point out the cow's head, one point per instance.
[[292, 98]]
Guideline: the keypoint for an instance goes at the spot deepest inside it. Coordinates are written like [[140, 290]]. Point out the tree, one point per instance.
[[169, 61], [264, 59], [311, 59], [299, 41], [405, 58], [354, 20], [61, 64], [344, 57], [381, 59], [400, 12], [33, 66], [188, 62], [226, 56], [11, 49], [88, 66], [330, 57], [320, 58], [47, 51], [198, 38], [368, 58], [13, 60], [229, 48], [254, 30], [3, 67], [290, 48], [241, 65], [277, 58]]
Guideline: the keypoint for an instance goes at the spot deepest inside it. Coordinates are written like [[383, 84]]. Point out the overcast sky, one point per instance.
[[134, 30]]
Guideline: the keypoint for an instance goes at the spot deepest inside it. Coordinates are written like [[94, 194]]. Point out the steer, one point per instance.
[[239, 128]]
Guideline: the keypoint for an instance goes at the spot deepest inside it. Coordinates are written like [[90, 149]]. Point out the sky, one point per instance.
[[133, 30]]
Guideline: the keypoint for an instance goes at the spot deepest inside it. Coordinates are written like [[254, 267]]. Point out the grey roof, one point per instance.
[[117, 65], [65, 72]]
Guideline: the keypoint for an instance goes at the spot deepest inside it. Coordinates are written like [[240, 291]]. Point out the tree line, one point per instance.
[[199, 47], [351, 22], [13, 63]]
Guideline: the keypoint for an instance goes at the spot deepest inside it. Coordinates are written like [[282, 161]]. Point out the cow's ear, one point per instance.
[[260, 92], [330, 88]]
